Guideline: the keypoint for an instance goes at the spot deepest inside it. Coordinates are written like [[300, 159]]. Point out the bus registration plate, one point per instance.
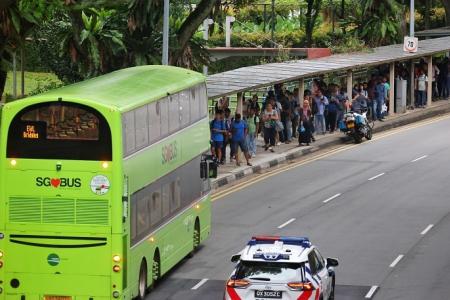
[[57, 297]]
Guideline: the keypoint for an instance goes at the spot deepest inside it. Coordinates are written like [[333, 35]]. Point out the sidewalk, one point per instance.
[[229, 172]]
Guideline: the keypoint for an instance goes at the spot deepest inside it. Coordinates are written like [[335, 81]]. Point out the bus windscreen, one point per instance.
[[59, 130]]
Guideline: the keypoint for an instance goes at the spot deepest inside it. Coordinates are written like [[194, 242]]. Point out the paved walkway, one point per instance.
[[285, 152]]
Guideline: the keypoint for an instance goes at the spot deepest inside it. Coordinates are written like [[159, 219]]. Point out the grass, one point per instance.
[[33, 81]]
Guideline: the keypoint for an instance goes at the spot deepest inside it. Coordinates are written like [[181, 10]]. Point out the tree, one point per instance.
[[312, 12], [379, 24], [99, 44], [17, 18], [446, 4]]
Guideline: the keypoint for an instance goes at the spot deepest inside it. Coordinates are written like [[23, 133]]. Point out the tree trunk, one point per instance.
[[446, 4], [190, 26], [309, 23]]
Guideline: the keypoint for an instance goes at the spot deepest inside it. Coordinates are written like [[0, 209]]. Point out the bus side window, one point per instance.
[[174, 113], [133, 218], [129, 132], [185, 109], [141, 125], [143, 216], [155, 208], [154, 117], [166, 200], [164, 111], [195, 106], [175, 199], [203, 100]]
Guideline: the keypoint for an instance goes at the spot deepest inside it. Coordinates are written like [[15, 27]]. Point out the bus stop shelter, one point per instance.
[[238, 81]]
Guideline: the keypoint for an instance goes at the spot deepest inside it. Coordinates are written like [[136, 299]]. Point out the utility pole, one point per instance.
[[273, 23], [165, 50], [228, 21], [411, 19]]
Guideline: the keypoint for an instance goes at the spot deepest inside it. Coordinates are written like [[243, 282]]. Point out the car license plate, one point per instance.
[[268, 294], [52, 297], [350, 125]]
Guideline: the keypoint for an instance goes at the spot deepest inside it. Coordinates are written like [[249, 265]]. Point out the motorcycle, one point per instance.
[[357, 126]]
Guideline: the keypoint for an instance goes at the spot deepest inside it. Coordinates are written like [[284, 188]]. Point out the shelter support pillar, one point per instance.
[[412, 84], [392, 89], [240, 103], [430, 80], [301, 91], [350, 85]]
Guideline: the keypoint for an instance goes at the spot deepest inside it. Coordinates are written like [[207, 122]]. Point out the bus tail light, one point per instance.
[[300, 286], [116, 268]]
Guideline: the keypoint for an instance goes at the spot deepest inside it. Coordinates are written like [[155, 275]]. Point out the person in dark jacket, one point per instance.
[[305, 124]]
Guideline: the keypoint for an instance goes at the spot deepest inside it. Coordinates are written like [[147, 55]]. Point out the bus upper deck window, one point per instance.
[[59, 130]]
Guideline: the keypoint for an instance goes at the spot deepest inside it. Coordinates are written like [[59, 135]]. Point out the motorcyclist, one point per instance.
[[359, 102]]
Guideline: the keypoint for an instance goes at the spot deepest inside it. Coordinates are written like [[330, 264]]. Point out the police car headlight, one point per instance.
[[238, 283]]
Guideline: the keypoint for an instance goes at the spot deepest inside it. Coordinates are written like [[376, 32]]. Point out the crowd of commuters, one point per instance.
[[280, 117]]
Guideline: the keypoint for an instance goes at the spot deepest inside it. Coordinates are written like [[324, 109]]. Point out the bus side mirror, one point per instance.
[[208, 168]]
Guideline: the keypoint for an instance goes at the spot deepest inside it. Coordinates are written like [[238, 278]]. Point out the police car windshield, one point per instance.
[[268, 271]]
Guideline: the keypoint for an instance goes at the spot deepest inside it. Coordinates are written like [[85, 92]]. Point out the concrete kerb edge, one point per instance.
[[286, 157]]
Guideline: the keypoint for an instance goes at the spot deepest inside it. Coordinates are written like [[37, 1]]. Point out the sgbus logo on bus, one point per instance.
[[58, 182]]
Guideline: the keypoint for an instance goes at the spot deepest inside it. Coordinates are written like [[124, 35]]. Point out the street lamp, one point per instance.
[[165, 48]]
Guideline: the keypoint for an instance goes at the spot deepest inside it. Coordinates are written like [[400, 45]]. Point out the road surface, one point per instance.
[[382, 208]]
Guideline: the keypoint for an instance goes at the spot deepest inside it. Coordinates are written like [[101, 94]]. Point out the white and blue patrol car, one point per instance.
[[288, 268]]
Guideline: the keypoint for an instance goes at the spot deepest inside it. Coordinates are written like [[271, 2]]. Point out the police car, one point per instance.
[[289, 268]]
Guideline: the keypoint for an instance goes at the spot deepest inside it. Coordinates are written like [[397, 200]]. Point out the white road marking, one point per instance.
[[198, 285], [286, 223], [376, 176], [425, 231], [371, 292], [419, 158], [395, 262], [331, 198]]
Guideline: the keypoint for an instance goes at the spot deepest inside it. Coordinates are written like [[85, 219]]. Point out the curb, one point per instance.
[[399, 121]]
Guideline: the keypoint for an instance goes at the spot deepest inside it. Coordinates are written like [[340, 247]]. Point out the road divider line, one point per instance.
[[286, 223], [419, 158], [396, 261], [332, 197], [425, 231], [198, 285], [371, 292], [376, 176], [237, 187]]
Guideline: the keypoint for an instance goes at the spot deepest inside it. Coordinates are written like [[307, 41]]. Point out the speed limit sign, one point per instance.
[[410, 44]]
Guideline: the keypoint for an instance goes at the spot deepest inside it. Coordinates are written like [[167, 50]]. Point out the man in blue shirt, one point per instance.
[[239, 130], [218, 129], [380, 92]]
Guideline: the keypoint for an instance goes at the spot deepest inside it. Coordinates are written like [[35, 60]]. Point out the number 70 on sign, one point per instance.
[[410, 44]]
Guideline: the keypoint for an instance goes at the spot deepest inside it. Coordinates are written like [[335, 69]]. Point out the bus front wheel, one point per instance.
[[142, 281]]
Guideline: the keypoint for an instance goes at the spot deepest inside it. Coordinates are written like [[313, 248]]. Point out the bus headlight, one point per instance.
[[1, 254], [116, 258]]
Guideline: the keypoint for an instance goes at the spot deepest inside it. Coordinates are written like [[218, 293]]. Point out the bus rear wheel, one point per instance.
[[156, 268], [142, 288], [195, 239]]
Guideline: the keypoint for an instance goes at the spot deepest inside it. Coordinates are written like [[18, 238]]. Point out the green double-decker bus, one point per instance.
[[101, 192]]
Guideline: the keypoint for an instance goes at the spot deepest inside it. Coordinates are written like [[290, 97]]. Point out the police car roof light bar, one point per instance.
[[288, 240]]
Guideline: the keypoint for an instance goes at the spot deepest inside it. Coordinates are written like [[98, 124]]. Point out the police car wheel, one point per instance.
[[333, 283]]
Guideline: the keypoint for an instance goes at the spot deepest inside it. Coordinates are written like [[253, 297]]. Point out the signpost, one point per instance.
[[410, 44]]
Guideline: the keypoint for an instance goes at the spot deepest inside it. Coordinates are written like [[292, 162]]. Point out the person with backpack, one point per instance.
[[253, 128], [227, 135], [333, 108], [218, 129], [239, 131]]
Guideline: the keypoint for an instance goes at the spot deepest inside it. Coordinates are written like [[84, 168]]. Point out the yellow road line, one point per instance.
[[261, 177]]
